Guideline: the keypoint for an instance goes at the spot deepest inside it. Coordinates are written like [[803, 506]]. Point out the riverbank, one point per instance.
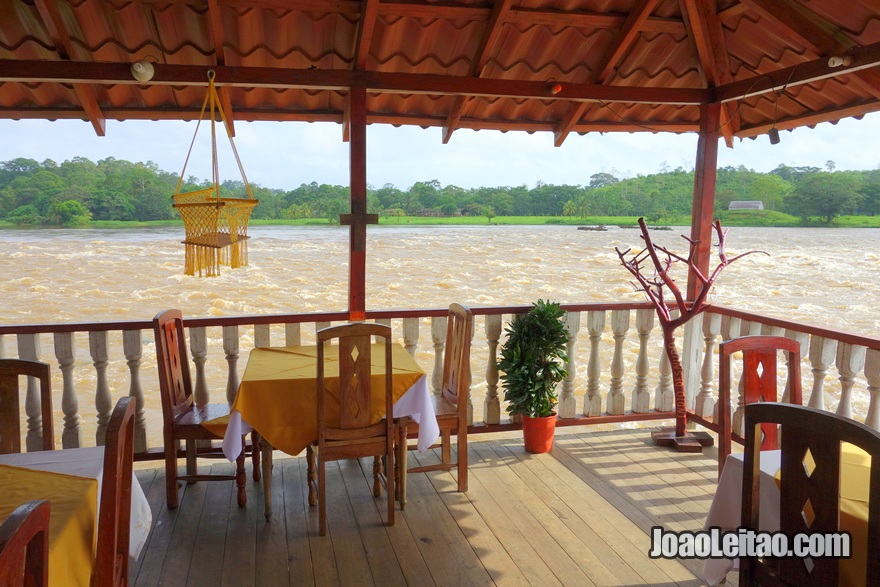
[[745, 218]]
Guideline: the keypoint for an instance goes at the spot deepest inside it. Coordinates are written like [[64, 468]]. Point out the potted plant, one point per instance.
[[532, 360]]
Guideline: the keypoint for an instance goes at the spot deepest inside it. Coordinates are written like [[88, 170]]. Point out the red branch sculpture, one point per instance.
[[659, 261]]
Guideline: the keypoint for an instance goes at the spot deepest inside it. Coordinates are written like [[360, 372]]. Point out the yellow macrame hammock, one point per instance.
[[216, 227]]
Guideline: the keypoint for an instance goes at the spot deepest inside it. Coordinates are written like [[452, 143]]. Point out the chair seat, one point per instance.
[[443, 408]]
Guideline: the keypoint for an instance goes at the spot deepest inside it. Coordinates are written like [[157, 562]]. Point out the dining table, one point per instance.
[[726, 509], [70, 480], [277, 397]]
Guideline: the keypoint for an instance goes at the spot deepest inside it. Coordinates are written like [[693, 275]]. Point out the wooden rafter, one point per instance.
[[220, 59], [820, 36], [487, 44], [366, 26], [708, 38], [622, 42], [51, 18]]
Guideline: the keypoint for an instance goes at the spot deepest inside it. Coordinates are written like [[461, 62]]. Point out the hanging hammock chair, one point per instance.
[[216, 227]]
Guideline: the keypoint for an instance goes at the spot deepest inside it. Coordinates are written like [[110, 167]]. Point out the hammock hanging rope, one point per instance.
[[216, 227]]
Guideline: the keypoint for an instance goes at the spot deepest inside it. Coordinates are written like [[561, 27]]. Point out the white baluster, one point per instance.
[[262, 336], [133, 347], [198, 349], [29, 350], [850, 361], [619, 327], [739, 412], [65, 352], [641, 396], [872, 374], [438, 336], [230, 348], [321, 326], [385, 321], [592, 399], [803, 339], [292, 334], [410, 335], [822, 353], [491, 403], [2, 346], [568, 401], [103, 402], [664, 395], [470, 402], [705, 402]]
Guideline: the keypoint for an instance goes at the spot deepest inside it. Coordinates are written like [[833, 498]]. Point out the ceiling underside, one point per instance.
[[559, 66]]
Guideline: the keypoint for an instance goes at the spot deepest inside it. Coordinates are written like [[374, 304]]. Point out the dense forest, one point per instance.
[[78, 191]]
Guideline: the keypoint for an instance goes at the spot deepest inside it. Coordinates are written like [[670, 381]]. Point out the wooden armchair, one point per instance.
[[810, 490], [758, 380], [353, 435], [10, 408], [451, 406], [183, 418], [24, 546], [111, 561]]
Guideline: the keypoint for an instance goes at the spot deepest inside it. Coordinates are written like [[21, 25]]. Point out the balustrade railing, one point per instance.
[[616, 365]]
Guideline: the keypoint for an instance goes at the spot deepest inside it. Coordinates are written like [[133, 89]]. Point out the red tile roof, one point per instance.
[[622, 65]]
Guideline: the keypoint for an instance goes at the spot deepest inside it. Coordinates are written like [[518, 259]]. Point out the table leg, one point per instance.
[[400, 472], [266, 450]]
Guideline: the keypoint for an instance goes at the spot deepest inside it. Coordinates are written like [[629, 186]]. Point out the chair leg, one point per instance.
[[322, 498], [462, 456], [400, 465], [445, 448], [192, 463], [255, 454], [377, 469], [311, 477], [241, 478], [390, 473], [171, 490]]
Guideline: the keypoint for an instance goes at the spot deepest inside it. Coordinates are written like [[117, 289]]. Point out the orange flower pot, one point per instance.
[[538, 433]]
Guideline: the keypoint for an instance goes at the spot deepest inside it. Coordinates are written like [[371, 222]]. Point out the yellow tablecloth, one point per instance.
[[72, 521], [277, 392]]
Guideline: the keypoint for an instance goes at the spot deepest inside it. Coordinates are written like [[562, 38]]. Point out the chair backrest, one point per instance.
[[10, 407], [175, 385], [355, 386], [24, 546], [111, 561], [809, 480], [759, 381], [457, 357]]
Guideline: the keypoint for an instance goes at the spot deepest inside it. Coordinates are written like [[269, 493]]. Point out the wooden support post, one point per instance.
[[703, 208], [358, 218]]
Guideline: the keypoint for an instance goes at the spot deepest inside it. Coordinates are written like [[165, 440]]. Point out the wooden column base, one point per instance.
[[690, 442]]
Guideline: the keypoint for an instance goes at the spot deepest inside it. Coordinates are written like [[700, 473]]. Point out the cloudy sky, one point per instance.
[[285, 155]]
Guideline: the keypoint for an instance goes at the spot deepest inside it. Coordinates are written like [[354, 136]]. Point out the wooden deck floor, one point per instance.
[[578, 516]]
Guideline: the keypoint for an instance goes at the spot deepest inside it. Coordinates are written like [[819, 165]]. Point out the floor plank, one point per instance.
[[580, 515]]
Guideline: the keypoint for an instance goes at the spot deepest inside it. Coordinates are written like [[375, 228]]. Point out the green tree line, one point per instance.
[[78, 191]]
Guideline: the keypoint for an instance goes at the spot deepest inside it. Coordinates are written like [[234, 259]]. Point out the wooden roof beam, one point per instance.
[[51, 18], [14, 70], [624, 39], [821, 37], [708, 38], [487, 43], [220, 59], [362, 44]]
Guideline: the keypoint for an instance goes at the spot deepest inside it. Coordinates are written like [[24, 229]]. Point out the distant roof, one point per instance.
[[753, 205], [560, 66]]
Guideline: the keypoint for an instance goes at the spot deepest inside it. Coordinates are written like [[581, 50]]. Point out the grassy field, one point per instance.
[[729, 218]]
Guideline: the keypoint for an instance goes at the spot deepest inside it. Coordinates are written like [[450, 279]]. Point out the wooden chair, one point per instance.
[[10, 408], [821, 433], [24, 546], [451, 406], [111, 561], [183, 418], [758, 381], [353, 435]]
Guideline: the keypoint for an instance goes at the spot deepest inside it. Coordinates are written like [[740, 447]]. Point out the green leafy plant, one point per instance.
[[532, 359]]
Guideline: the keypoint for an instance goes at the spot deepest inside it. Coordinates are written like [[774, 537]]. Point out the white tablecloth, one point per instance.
[[89, 462], [415, 403], [726, 509]]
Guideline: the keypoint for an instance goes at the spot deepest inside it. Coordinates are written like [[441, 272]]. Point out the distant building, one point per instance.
[[746, 206]]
